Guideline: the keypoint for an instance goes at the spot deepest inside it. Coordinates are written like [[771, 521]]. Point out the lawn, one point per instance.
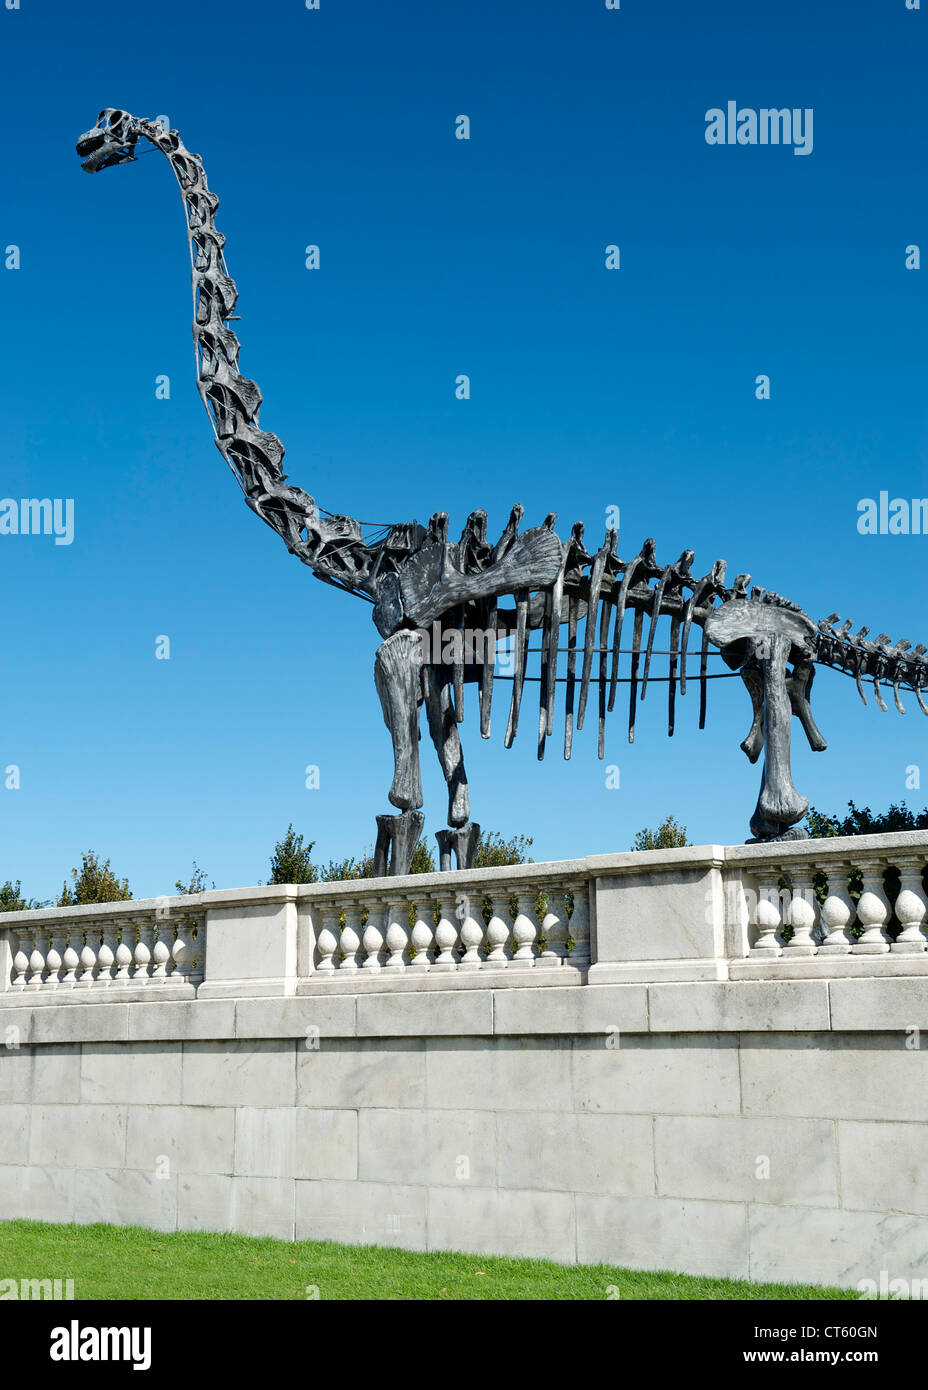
[[120, 1262]]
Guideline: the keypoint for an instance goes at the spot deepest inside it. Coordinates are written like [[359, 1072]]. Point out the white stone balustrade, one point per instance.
[[833, 907], [130, 948], [434, 930], [841, 900]]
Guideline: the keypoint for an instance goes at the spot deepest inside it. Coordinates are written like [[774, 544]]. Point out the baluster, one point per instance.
[[91, 953], [142, 953], [472, 933], [198, 950], [818, 931], [40, 946], [57, 942], [554, 927], [161, 951], [911, 908], [767, 917], [328, 939], [446, 934], [124, 952], [499, 930], [180, 948], [397, 935], [372, 940], [21, 958], [578, 927], [801, 913], [423, 937], [70, 959], [106, 956], [351, 937], [525, 930], [873, 911], [838, 911]]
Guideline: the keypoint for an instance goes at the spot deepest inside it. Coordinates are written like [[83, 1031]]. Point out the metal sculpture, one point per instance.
[[424, 587]]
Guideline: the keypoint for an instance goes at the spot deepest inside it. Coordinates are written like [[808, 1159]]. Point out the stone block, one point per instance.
[[36, 1194], [14, 1133], [263, 1206], [260, 1072], [452, 1013], [326, 1143], [666, 1074], [889, 1005], [551, 1151], [362, 1213], [78, 1136], [15, 1028], [193, 1139], [56, 1073], [357, 1074], [511, 1073], [691, 1237], [121, 1197], [427, 1146], [249, 945], [832, 1075], [139, 1073], [204, 1202], [835, 1247], [589, 1009], [181, 1020], [652, 916], [883, 1167], [736, 1158], [493, 1221], [16, 1075], [265, 1140], [80, 1023], [314, 1017], [722, 1006]]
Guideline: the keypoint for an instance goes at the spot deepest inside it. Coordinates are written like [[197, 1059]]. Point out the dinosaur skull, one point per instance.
[[111, 141]]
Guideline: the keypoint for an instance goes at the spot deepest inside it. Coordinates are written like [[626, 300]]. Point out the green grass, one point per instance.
[[120, 1262]]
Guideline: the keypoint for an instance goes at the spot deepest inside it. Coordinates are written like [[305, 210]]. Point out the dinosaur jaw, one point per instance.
[[99, 148]]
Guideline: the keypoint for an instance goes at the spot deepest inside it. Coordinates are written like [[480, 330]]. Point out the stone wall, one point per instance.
[[771, 1129]]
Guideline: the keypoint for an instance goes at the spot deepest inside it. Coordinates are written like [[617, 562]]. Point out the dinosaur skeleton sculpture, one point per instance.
[[416, 578]]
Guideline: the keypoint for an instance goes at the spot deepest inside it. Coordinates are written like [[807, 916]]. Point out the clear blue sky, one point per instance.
[[590, 388]]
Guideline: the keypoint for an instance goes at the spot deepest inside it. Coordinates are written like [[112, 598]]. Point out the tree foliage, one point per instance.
[[94, 882], [668, 835], [196, 884], [292, 861], [863, 821], [12, 900], [493, 852]]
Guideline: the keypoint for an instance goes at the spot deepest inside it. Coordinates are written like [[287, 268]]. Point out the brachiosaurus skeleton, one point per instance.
[[417, 579]]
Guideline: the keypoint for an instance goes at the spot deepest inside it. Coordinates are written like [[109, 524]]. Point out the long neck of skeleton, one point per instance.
[[231, 400]]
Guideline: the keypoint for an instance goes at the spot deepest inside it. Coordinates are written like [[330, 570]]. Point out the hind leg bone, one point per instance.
[[444, 734]]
